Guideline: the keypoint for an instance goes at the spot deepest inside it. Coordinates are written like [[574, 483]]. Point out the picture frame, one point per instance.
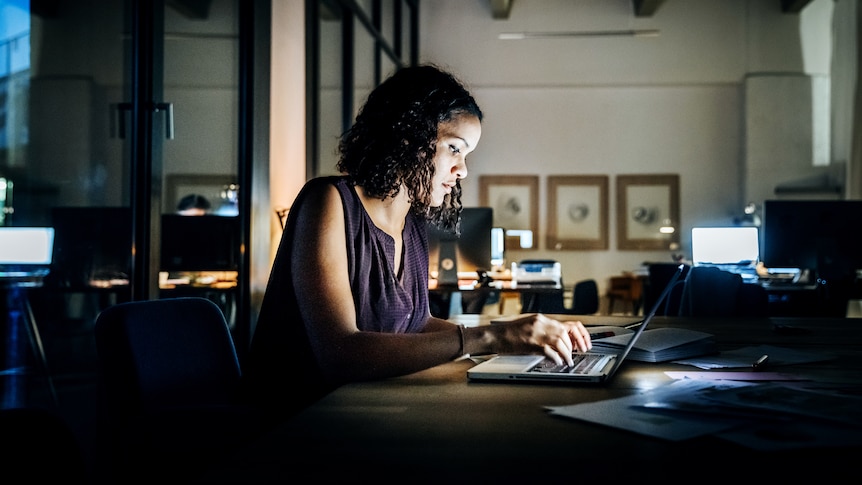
[[577, 212], [647, 211], [210, 186], [515, 201]]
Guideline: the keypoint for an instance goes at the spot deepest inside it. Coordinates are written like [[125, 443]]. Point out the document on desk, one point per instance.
[[744, 357], [631, 413], [816, 415], [767, 416], [802, 399]]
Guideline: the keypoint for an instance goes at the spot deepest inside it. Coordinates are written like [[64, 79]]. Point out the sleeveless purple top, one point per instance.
[[280, 352], [385, 301]]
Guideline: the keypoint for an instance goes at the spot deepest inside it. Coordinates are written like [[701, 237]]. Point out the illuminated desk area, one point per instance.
[[436, 427], [199, 257], [499, 282]]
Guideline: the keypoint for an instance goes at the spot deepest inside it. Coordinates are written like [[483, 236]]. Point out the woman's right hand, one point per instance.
[[556, 339]]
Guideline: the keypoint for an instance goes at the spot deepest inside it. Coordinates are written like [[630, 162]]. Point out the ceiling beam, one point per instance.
[[645, 8], [500, 9], [193, 9], [793, 6]]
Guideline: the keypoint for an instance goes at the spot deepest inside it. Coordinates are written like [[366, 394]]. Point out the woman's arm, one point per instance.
[[343, 351]]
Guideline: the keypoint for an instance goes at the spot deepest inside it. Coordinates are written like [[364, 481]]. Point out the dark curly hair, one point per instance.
[[392, 142]]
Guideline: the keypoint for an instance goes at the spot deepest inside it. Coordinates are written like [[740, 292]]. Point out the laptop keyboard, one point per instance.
[[583, 364]]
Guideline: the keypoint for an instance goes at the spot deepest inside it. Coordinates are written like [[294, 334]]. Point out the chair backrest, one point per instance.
[[543, 302], [585, 298], [711, 292], [166, 354], [170, 398]]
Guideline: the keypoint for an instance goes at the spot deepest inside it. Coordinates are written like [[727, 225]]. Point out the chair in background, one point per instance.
[[544, 302], [625, 288], [712, 292], [585, 300], [169, 403]]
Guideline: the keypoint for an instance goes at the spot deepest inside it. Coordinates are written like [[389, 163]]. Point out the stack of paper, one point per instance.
[[661, 344]]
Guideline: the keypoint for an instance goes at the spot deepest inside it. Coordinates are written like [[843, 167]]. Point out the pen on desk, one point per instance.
[[761, 362]]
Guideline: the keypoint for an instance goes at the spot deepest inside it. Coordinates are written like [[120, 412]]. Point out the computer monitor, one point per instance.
[[725, 246], [820, 235], [498, 247], [200, 243], [92, 246], [450, 255]]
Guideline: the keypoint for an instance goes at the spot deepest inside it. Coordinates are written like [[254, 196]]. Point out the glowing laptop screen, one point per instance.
[[725, 245]]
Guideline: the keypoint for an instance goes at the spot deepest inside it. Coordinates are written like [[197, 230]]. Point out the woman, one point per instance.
[[347, 299]]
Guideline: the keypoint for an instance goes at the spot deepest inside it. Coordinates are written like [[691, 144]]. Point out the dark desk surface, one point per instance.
[[435, 426]]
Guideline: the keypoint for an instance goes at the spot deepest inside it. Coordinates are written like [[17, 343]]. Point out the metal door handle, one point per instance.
[[118, 118], [168, 108]]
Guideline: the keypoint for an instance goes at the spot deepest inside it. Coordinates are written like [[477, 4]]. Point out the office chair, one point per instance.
[[169, 402], [585, 300], [627, 289], [712, 292]]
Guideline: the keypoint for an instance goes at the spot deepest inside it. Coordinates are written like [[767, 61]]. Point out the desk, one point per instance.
[[444, 306], [436, 427], [220, 287]]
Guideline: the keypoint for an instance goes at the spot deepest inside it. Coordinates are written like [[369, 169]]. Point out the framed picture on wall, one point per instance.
[[577, 212], [647, 211], [514, 199]]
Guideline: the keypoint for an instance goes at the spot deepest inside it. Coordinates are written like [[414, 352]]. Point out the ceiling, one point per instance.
[[500, 9]]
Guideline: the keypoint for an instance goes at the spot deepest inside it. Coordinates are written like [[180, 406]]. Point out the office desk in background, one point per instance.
[[471, 297], [436, 427], [220, 287]]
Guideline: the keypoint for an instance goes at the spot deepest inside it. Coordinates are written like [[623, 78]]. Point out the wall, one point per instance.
[[674, 103], [287, 100]]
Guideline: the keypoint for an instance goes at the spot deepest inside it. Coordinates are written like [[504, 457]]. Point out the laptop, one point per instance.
[[735, 249], [26, 251], [590, 367]]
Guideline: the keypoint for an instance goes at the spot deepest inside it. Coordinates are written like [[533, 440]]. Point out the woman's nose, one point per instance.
[[460, 168]]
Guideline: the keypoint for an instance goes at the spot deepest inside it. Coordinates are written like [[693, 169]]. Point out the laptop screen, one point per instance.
[[725, 246], [26, 245]]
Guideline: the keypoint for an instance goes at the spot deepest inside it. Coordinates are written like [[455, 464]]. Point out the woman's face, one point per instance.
[[455, 139]]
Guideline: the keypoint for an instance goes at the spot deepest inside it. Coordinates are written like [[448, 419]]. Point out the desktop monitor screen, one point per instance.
[[498, 247], [91, 244], [821, 235], [737, 246], [200, 243], [450, 255]]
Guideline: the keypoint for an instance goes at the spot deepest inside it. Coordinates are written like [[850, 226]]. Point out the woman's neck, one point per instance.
[[389, 214]]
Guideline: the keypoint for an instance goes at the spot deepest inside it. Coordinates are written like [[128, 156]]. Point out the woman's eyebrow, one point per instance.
[[452, 135]]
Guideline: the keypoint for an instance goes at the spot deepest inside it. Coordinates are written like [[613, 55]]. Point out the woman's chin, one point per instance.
[[437, 200]]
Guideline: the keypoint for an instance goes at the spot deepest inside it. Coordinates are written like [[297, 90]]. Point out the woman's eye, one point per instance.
[[455, 150]]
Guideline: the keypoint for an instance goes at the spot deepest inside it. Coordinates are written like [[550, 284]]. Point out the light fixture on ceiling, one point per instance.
[[566, 34]]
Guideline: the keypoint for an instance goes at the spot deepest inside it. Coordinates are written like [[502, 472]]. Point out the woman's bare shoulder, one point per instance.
[[318, 194]]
